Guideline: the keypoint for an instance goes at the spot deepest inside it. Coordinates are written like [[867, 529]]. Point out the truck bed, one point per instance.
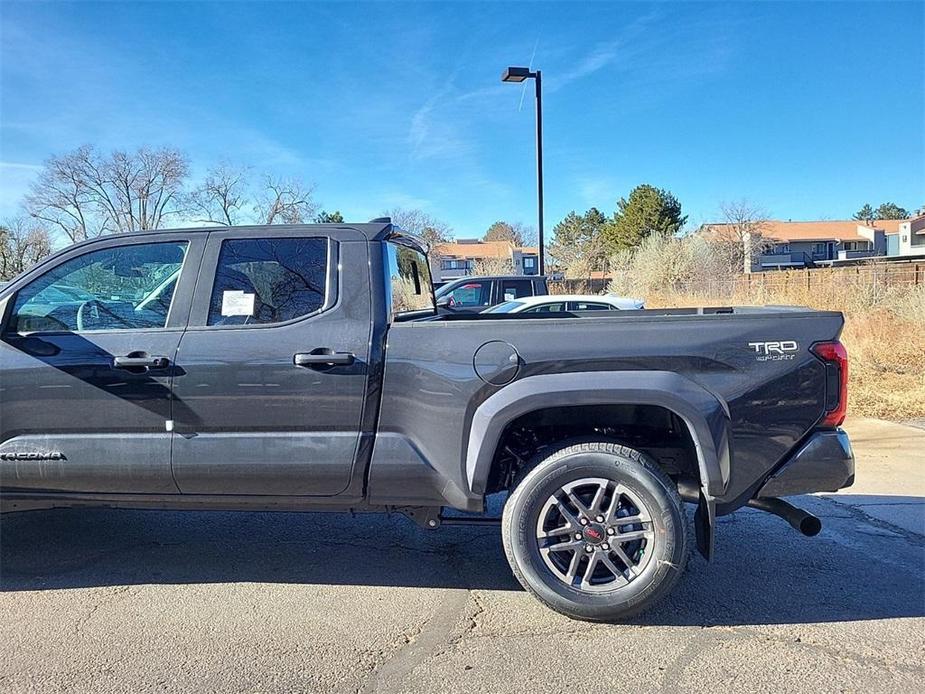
[[440, 369]]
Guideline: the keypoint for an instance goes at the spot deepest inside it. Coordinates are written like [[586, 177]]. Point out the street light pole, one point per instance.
[[519, 74], [539, 167]]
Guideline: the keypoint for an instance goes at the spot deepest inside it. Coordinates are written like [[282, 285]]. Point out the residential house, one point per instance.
[[811, 244], [909, 239], [461, 258]]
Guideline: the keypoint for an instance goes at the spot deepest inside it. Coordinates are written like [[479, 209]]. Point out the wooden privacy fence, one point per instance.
[[578, 286], [886, 274], [868, 277]]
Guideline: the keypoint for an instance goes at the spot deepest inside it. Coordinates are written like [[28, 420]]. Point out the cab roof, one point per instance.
[[377, 230]]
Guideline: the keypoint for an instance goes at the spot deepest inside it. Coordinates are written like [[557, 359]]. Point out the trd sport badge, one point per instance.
[[777, 350]]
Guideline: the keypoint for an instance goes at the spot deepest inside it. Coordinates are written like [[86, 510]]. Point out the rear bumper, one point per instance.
[[824, 463]]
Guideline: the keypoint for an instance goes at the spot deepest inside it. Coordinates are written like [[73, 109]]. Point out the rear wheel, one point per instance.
[[596, 531]]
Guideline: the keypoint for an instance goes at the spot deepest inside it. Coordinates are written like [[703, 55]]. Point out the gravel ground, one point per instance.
[[144, 601]]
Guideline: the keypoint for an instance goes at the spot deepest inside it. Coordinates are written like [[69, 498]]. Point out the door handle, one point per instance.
[[136, 361], [323, 357]]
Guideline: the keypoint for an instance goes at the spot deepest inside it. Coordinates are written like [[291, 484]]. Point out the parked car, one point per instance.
[[564, 303], [475, 294], [305, 368]]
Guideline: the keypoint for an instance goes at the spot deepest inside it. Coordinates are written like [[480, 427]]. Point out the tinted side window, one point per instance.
[[268, 280], [471, 294], [587, 306], [547, 308], [516, 289], [120, 288]]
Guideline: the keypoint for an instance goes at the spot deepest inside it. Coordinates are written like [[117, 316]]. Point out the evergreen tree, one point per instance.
[[648, 210], [865, 214]]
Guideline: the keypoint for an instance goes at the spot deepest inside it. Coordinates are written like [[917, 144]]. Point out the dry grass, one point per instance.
[[884, 334], [884, 307]]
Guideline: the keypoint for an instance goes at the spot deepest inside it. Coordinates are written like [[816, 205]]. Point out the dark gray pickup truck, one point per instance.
[[305, 368]]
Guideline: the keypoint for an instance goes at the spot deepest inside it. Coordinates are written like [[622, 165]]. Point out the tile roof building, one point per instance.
[[809, 244], [460, 258]]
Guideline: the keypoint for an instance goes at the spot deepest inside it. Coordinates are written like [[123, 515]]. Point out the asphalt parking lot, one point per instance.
[[143, 601]]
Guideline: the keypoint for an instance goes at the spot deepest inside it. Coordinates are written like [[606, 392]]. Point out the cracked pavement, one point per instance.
[[145, 601]]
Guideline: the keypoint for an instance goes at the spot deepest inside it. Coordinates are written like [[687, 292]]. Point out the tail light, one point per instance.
[[835, 357]]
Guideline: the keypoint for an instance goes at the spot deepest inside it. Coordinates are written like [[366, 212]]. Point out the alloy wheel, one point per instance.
[[595, 534]]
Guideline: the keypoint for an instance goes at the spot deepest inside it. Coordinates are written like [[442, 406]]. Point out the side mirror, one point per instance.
[[443, 302]]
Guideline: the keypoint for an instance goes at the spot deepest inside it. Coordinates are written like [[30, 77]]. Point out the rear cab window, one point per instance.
[[409, 280]]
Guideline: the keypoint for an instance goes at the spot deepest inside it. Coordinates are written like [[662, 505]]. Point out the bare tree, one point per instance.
[[426, 227], [527, 233], [153, 183], [85, 194], [285, 201], [62, 198], [23, 243], [421, 224], [581, 261], [493, 266], [517, 233], [740, 239], [225, 194], [220, 198]]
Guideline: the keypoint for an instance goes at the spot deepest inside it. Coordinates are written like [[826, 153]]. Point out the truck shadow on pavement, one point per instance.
[[763, 573]]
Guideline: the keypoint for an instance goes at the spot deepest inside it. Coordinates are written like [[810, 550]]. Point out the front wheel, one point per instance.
[[596, 531]]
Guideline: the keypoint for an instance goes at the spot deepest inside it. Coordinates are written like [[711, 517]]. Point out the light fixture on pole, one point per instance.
[[519, 74]]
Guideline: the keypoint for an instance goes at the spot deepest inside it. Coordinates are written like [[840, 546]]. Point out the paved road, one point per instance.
[[125, 601]]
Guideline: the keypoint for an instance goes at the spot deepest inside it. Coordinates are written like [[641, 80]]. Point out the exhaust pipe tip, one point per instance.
[[810, 526], [799, 519]]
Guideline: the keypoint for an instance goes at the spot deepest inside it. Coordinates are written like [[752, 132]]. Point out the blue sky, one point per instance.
[[808, 110]]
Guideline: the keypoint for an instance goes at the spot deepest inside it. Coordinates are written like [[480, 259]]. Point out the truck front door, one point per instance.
[[87, 358], [274, 366]]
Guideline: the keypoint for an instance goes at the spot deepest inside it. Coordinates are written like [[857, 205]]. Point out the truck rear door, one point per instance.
[[272, 368]]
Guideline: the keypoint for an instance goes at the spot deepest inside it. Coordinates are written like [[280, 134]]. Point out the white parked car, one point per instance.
[[567, 303]]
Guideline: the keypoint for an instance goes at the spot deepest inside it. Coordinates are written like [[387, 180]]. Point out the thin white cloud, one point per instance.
[[432, 137], [632, 41], [649, 53], [19, 165], [599, 58], [435, 130]]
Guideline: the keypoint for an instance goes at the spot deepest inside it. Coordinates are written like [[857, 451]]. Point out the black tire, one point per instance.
[[668, 541]]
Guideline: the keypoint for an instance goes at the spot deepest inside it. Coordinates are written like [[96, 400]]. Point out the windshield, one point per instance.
[[506, 307], [443, 290]]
